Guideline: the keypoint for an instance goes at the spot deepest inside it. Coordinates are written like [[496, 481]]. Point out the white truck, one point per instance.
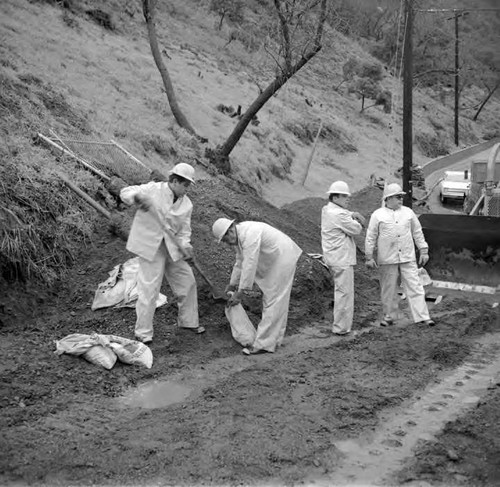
[[454, 185]]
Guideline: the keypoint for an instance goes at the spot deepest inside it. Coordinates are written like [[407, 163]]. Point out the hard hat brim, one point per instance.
[[170, 173], [394, 194]]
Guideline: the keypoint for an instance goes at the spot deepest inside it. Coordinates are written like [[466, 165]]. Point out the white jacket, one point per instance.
[[395, 233], [261, 252], [337, 230], [146, 233]]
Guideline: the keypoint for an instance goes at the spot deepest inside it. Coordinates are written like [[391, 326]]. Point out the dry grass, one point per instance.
[[41, 222], [38, 232]]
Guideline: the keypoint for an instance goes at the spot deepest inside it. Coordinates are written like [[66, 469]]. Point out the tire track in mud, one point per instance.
[[373, 459]]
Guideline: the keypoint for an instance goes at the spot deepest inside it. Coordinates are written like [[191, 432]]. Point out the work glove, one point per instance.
[[234, 298], [424, 258], [358, 217], [371, 264], [188, 253], [142, 202], [230, 288]]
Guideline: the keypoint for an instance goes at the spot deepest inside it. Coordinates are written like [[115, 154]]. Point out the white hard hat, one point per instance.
[[220, 227], [339, 187], [183, 170], [392, 190]]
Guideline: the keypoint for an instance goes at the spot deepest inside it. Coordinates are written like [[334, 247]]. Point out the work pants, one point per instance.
[[343, 307], [276, 290], [415, 293], [182, 282]]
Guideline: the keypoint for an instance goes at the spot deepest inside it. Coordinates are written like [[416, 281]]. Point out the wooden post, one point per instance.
[[457, 92], [312, 152]]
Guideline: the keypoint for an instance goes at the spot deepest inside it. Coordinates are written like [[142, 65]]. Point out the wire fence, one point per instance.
[[107, 158]]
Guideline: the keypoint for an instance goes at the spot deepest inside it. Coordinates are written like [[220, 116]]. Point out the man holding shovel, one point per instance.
[[161, 237], [268, 257]]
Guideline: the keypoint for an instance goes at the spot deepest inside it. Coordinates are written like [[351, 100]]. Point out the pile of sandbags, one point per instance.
[[105, 350]]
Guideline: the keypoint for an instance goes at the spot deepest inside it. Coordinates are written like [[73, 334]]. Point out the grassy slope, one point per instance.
[[112, 79]]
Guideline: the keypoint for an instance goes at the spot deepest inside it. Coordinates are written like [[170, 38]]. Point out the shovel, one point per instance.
[[217, 296]]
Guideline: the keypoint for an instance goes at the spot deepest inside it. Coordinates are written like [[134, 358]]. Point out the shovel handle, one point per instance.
[[167, 230]]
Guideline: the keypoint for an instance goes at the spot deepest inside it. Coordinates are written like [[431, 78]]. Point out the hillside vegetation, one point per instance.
[[83, 70]]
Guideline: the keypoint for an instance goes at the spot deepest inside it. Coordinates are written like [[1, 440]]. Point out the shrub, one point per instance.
[[431, 145], [230, 9], [157, 144]]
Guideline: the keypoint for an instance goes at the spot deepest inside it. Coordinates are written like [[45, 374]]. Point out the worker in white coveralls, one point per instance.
[[395, 230], [161, 237], [338, 226], [268, 257]]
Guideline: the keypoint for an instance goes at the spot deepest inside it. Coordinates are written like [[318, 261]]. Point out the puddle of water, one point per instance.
[[157, 394]]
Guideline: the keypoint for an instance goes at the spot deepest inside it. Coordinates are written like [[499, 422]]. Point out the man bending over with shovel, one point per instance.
[[268, 257], [161, 237]]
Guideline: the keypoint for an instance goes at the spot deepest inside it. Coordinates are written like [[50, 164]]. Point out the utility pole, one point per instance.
[[408, 104], [456, 111], [456, 78], [458, 12]]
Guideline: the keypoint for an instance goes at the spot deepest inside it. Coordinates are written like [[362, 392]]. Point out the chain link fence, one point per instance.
[[107, 159]]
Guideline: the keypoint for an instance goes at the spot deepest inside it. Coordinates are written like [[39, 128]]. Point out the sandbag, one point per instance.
[[242, 328], [424, 277], [103, 350], [120, 288], [94, 348], [131, 351], [100, 355], [79, 343]]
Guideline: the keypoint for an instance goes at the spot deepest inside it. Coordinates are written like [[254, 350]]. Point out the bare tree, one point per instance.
[[491, 91], [148, 7], [290, 60]]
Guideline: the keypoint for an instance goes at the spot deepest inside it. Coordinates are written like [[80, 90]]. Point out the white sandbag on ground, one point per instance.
[[104, 350], [120, 288], [100, 355], [242, 328], [94, 348], [131, 351]]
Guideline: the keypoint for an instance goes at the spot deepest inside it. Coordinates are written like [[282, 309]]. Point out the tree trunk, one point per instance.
[[148, 10], [226, 149], [490, 94]]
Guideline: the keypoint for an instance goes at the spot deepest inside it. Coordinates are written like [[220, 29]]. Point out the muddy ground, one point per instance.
[[274, 419]]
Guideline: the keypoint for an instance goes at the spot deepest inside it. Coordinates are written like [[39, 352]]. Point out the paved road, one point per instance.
[[457, 165]]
